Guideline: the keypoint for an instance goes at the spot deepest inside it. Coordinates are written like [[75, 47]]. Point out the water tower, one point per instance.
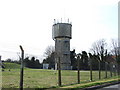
[[61, 34]]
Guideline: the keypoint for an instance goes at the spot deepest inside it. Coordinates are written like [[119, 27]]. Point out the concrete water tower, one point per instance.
[[61, 34]]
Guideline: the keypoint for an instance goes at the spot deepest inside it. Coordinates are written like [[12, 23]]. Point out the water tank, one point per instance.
[[60, 30]]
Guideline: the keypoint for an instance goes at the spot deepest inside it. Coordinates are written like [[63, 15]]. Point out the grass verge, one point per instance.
[[95, 83]]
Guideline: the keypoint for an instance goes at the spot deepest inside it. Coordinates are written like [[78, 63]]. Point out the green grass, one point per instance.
[[33, 78], [95, 83], [40, 78], [11, 65]]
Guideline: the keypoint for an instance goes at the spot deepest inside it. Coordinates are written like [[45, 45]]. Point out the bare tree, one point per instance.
[[49, 50], [99, 49], [116, 51]]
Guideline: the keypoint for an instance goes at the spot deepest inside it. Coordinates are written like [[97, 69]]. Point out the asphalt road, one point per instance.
[[112, 87]]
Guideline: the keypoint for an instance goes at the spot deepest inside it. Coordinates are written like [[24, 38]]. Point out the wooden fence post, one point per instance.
[[90, 69], [59, 72], [105, 69], [99, 69], [22, 68], [110, 66], [78, 59]]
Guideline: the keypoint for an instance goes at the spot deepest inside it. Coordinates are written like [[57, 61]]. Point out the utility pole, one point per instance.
[[22, 68], [59, 72]]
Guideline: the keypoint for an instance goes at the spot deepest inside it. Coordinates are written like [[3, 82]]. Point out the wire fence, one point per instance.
[[42, 78]]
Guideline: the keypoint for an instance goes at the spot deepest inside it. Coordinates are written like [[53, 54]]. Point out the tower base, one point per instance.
[[63, 67]]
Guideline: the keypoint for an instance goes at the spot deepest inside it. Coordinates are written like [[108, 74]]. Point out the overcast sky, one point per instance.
[[29, 23]]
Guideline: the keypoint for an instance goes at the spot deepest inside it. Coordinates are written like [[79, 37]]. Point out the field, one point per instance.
[[41, 78]]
